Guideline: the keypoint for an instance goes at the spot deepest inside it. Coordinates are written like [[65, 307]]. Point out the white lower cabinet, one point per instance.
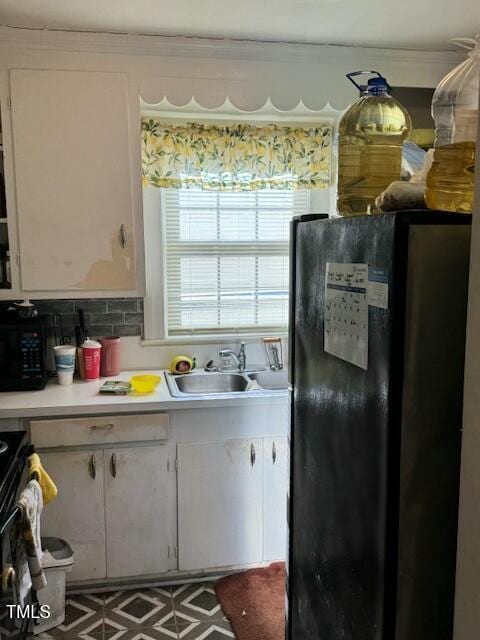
[[275, 499], [112, 508], [78, 512], [136, 510], [220, 503], [128, 510]]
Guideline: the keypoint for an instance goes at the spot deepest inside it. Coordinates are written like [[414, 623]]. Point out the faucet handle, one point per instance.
[[211, 366], [274, 352]]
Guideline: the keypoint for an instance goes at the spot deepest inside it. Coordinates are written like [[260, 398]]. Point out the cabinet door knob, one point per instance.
[[93, 466], [113, 465], [253, 454], [274, 452], [123, 236]]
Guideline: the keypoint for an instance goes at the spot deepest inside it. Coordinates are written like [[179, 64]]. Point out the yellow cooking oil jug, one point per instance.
[[450, 181], [370, 142]]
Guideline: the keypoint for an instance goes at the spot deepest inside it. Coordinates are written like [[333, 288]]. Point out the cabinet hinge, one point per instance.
[[9, 103]]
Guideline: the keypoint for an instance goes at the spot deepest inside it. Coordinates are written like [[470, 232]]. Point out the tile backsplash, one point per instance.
[[124, 317], [103, 316]]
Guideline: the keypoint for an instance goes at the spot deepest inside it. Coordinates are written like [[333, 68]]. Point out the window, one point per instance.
[[226, 260]]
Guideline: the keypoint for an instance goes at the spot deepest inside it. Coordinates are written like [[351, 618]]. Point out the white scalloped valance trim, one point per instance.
[[229, 111]]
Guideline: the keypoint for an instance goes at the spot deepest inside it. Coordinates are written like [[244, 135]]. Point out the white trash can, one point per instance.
[[57, 561]]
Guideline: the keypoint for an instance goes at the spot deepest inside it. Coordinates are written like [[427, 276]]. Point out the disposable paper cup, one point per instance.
[[91, 359], [64, 363], [65, 377]]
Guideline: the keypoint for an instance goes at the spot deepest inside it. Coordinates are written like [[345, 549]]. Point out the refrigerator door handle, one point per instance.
[[274, 452], [253, 454]]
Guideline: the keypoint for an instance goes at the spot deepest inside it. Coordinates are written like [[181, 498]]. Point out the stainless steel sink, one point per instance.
[[271, 380], [220, 383], [208, 383]]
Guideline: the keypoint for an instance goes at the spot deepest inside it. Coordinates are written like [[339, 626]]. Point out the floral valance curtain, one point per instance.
[[239, 157]]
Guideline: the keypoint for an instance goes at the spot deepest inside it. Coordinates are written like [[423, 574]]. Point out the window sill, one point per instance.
[[213, 339]]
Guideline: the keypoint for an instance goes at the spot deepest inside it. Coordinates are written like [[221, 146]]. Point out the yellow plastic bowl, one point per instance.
[[145, 383]]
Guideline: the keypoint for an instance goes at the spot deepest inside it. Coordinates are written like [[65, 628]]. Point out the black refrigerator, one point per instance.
[[377, 345]]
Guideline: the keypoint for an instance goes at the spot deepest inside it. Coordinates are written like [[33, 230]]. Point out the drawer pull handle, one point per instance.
[[113, 465], [123, 236], [274, 453], [93, 466], [253, 454], [102, 427]]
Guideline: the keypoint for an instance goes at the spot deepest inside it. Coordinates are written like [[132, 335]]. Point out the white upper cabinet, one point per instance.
[[76, 190]]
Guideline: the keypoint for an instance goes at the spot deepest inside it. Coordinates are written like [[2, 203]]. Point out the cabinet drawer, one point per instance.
[[68, 432]]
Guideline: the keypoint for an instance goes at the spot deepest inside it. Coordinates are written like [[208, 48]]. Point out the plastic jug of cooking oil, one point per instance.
[[371, 136], [450, 181]]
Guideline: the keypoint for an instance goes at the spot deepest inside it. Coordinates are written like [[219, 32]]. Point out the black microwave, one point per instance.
[[22, 352]]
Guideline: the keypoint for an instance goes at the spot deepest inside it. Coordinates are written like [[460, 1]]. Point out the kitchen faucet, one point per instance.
[[239, 358]]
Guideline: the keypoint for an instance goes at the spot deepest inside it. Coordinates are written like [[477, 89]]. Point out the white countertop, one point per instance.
[[82, 398]]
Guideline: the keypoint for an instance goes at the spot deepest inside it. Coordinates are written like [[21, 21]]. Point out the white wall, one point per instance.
[[467, 603], [136, 355], [248, 72]]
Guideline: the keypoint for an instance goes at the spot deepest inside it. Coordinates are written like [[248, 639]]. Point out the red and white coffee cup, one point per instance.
[[91, 350]]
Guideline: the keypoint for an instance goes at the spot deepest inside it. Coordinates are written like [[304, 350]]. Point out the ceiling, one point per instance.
[[424, 24]]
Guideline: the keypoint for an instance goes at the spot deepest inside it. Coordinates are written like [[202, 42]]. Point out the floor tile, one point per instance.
[[48, 635], [215, 630], [149, 633], [185, 612], [166, 591], [138, 608], [83, 617], [197, 602]]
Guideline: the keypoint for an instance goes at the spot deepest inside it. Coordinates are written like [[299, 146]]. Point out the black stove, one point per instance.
[[14, 449], [10, 442], [13, 446]]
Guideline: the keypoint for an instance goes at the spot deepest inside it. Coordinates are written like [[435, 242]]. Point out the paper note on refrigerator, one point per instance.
[[377, 288], [346, 312]]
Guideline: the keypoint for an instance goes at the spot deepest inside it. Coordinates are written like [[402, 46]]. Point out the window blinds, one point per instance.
[[226, 259]]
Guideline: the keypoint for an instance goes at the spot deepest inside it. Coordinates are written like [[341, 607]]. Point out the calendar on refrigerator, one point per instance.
[[346, 312]]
